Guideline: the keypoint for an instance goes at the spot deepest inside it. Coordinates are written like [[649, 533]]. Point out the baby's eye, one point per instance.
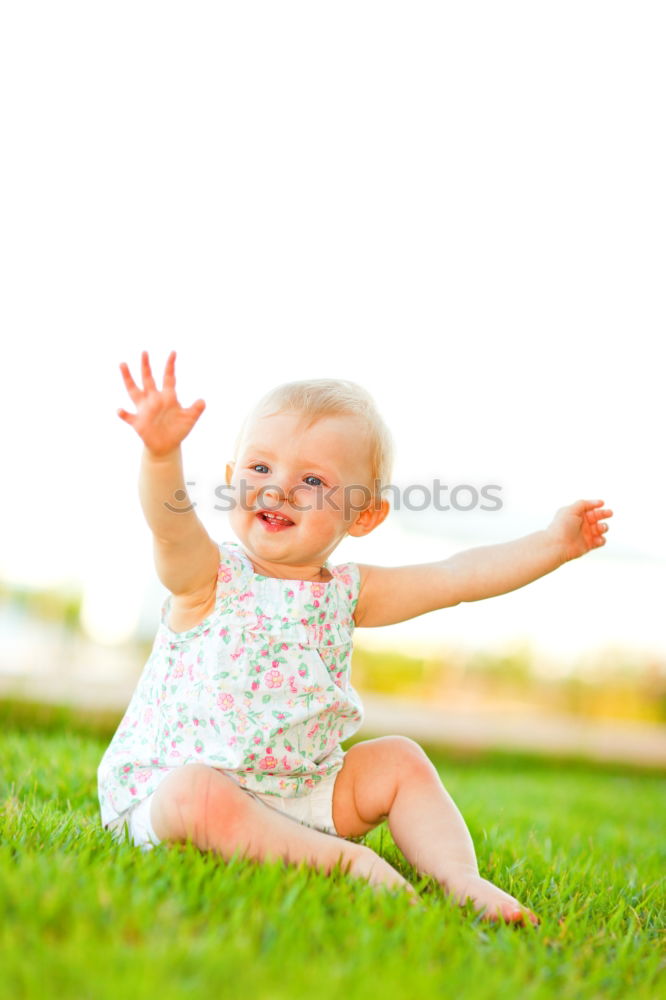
[[319, 482], [258, 466]]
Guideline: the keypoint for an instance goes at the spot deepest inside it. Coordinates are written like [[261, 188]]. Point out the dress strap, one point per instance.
[[349, 577]]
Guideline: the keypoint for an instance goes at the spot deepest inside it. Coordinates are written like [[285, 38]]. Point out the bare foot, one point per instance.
[[491, 902], [377, 872]]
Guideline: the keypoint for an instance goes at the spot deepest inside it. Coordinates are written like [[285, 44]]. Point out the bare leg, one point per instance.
[[438, 843], [392, 778], [198, 803]]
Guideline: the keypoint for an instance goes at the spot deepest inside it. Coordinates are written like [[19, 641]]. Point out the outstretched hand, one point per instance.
[[580, 527], [160, 421]]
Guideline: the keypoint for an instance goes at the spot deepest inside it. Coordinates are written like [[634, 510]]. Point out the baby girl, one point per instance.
[[232, 739]]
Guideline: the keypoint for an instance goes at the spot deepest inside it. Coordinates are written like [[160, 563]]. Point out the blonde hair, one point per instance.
[[327, 397]]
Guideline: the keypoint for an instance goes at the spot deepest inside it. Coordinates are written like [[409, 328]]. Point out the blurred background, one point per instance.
[[460, 207]]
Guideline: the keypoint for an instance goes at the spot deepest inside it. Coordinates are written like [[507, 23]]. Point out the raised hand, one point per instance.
[[160, 421], [580, 527]]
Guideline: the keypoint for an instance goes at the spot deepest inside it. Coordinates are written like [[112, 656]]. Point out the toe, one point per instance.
[[519, 915]]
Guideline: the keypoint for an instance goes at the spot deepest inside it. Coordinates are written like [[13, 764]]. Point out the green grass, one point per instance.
[[83, 917]]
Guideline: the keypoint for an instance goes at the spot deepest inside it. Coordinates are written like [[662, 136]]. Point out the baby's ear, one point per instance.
[[229, 471], [370, 518]]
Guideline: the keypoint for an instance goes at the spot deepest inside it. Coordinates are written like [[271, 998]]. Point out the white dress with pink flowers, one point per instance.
[[261, 688]]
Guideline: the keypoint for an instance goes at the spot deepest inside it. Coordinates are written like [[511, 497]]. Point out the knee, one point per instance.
[[191, 801], [410, 757]]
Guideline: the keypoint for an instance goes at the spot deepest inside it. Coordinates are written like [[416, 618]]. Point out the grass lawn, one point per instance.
[[83, 917]]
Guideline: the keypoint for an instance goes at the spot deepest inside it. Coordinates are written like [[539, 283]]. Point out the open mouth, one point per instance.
[[273, 521]]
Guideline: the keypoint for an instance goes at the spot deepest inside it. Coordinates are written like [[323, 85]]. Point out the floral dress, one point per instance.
[[261, 687]]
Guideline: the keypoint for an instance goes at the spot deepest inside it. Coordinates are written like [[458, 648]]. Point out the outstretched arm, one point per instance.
[[395, 594], [186, 558]]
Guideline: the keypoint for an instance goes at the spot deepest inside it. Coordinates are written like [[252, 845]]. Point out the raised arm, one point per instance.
[[395, 594], [186, 558]]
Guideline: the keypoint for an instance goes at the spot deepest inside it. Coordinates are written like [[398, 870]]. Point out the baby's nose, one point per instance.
[[273, 492], [273, 495]]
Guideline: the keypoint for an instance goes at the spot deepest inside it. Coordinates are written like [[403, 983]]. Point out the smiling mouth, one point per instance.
[[275, 520]]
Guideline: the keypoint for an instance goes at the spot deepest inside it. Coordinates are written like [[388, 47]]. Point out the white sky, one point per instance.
[[460, 206]]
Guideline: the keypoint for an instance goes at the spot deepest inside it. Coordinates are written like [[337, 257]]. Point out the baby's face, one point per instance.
[[303, 476]]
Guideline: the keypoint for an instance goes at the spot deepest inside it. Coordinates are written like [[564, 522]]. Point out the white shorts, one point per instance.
[[314, 809]]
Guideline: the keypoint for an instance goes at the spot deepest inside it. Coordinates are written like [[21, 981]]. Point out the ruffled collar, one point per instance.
[[308, 611], [249, 571]]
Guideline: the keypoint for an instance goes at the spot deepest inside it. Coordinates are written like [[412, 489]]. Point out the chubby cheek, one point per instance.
[[244, 495], [335, 511], [326, 505], [239, 513], [323, 524], [353, 500]]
